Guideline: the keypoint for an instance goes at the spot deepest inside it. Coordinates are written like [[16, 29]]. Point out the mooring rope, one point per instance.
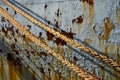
[[78, 70], [71, 42]]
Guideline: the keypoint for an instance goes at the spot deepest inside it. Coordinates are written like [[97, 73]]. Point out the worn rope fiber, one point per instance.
[[71, 42], [78, 70]]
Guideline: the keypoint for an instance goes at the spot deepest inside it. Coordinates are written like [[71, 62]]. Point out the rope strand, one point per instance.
[[78, 70], [71, 42]]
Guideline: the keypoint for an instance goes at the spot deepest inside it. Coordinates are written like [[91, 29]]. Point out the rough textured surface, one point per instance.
[[95, 23]]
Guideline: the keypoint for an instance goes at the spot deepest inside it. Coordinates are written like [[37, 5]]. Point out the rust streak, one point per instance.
[[118, 15], [78, 20], [106, 51], [45, 6], [108, 26], [91, 14]]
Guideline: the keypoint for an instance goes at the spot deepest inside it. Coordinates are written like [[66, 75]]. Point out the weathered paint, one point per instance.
[[95, 22]]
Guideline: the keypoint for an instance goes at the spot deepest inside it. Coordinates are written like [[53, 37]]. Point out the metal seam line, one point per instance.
[[78, 70], [71, 42]]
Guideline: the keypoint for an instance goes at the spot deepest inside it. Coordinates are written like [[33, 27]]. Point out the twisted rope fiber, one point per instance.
[[78, 70], [71, 42]]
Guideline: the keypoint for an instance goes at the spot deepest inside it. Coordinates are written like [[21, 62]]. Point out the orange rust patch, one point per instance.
[[33, 76], [2, 71], [11, 71], [108, 26], [90, 2]]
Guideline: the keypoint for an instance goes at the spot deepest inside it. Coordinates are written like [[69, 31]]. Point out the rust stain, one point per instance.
[[106, 51], [101, 42], [59, 41], [118, 15], [48, 22], [42, 73], [118, 55], [78, 20], [62, 51], [40, 35], [112, 47], [29, 26], [15, 12], [85, 10], [49, 36], [17, 62], [43, 54], [58, 49], [58, 13], [4, 32], [45, 6], [90, 2], [28, 39], [108, 26], [11, 71], [19, 69], [69, 76], [72, 27], [91, 14], [88, 41], [91, 11], [69, 34], [43, 76], [45, 9], [54, 76], [58, 76], [33, 75], [49, 73], [2, 71], [3, 19], [79, 28], [75, 59], [93, 71], [102, 72], [7, 9], [56, 23]]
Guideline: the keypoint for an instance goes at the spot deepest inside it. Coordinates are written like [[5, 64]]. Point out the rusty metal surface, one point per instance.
[[95, 24]]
